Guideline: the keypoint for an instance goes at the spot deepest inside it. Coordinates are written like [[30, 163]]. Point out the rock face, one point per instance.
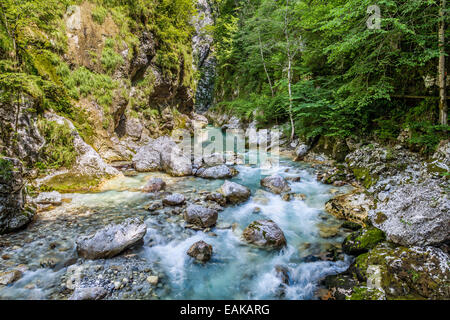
[[235, 193], [201, 251], [175, 199], [20, 139], [353, 206], [200, 216], [154, 185], [88, 162], [411, 206], [276, 184], [265, 234], [216, 172], [111, 240], [91, 293], [14, 214], [163, 154]]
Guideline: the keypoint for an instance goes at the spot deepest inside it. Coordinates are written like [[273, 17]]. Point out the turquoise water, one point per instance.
[[236, 270]]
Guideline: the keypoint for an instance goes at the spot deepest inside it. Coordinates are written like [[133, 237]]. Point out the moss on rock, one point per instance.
[[363, 240]]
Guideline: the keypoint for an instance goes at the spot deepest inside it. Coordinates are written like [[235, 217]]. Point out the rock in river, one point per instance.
[[175, 199], [200, 216], [276, 184], [216, 172], [235, 193], [201, 251], [92, 293], [111, 240], [154, 185], [53, 198], [265, 234]]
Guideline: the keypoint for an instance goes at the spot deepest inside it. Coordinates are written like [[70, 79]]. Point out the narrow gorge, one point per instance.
[[102, 195]]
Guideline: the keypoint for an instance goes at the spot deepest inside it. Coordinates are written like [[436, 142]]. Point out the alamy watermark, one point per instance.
[[374, 21], [252, 147]]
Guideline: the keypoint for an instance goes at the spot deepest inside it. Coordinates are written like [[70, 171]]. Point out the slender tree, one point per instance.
[[442, 70]]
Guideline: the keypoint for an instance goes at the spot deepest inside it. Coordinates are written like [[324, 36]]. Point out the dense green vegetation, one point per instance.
[[319, 63], [34, 63]]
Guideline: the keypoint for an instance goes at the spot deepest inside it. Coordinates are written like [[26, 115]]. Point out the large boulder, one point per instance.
[[200, 216], [147, 159], [265, 234], [235, 193], [111, 240], [154, 185], [163, 154], [398, 272], [301, 151], [276, 184], [14, 213], [216, 172], [201, 251], [410, 202]]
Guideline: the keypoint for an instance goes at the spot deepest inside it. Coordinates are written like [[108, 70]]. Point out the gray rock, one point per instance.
[[276, 184], [200, 216], [9, 277], [154, 185], [163, 154], [92, 293], [265, 234], [201, 251], [175, 199], [111, 240], [235, 193], [147, 159], [301, 151], [216, 172], [216, 197]]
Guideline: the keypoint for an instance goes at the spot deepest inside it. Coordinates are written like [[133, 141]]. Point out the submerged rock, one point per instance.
[[175, 199], [111, 240], [154, 185], [216, 172], [235, 193], [216, 197], [92, 293], [265, 234], [200, 216], [53, 198], [276, 184], [201, 251]]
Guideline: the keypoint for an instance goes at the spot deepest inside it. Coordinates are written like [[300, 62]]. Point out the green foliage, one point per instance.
[[6, 168], [348, 79], [110, 58], [59, 150], [99, 14]]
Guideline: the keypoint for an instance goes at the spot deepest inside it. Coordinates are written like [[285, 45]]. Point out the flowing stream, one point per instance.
[[236, 270]]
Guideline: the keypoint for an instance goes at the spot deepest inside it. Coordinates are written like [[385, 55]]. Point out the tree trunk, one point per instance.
[[264, 62], [442, 70], [289, 71]]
